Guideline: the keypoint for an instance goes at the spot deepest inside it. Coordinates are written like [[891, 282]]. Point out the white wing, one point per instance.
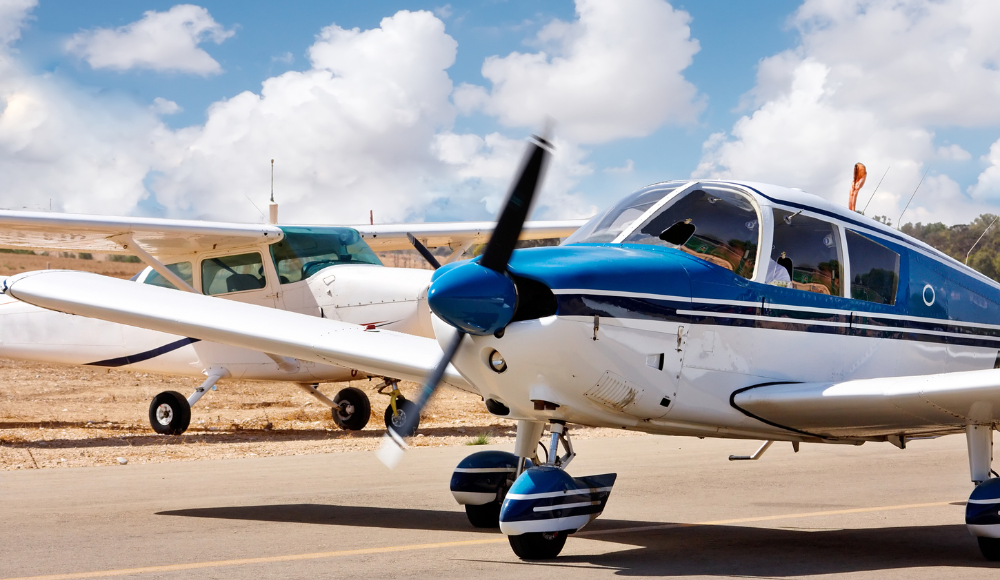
[[269, 330], [454, 234], [160, 237], [168, 237], [925, 404]]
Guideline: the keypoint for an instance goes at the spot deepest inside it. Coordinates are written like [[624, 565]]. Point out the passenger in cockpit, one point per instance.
[[776, 273]]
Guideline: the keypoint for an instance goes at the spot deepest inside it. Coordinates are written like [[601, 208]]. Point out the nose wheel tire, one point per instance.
[[353, 409], [538, 546], [169, 413], [404, 408], [484, 516]]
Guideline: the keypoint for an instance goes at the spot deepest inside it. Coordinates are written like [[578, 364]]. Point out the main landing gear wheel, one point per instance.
[[484, 516], [538, 546], [353, 409], [403, 409], [169, 413]]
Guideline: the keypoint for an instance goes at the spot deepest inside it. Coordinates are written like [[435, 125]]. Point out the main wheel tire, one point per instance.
[[484, 516], [169, 413], [538, 546], [990, 547], [404, 408], [354, 410]]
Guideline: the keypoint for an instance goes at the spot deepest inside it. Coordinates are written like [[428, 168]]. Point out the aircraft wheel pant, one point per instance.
[[545, 505], [169, 413], [983, 519], [480, 483], [395, 421], [353, 409]]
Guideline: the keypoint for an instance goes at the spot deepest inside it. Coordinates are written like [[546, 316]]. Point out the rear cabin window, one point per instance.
[[182, 269], [874, 270], [232, 273], [717, 225], [806, 254], [304, 251]]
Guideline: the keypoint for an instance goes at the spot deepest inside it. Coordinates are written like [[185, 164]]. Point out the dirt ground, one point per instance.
[[55, 416]]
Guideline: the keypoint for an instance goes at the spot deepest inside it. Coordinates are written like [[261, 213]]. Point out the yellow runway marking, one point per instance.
[[434, 546]]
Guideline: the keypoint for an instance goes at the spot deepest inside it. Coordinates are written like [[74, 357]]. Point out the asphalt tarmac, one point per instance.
[[679, 508]]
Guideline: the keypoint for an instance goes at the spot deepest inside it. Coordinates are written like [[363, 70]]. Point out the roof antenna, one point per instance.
[[980, 238], [273, 207], [876, 190], [911, 198]]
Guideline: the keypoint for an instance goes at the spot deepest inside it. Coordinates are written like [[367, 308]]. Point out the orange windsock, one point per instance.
[[860, 173]]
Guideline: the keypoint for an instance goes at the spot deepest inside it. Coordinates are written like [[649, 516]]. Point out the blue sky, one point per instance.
[[733, 38]]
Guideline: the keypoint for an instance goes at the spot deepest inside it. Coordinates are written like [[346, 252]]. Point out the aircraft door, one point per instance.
[[240, 277]]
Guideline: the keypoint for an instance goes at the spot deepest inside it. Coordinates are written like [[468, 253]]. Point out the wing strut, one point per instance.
[[126, 242]]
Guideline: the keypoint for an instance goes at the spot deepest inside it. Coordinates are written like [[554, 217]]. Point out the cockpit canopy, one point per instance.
[[722, 224], [300, 254], [715, 223]]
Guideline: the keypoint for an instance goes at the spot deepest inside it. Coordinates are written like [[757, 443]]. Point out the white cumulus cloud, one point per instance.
[[160, 41], [870, 81], [613, 72], [12, 16]]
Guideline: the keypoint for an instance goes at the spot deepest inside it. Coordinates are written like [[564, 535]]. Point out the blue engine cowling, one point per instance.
[[547, 499], [482, 477], [981, 511]]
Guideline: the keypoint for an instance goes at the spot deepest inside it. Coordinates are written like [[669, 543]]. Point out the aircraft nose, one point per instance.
[[473, 298]]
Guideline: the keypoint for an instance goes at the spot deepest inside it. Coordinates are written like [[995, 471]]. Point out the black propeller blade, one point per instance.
[[495, 257], [424, 251], [515, 212]]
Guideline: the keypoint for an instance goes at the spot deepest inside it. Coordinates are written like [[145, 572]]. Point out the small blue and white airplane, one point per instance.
[[700, 308]]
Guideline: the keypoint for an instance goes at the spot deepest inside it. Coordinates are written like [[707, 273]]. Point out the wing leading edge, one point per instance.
[[270, 330], [914, 405]]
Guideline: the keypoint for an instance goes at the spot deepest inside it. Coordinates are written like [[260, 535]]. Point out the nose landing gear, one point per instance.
[[398, 409], [539, 505]]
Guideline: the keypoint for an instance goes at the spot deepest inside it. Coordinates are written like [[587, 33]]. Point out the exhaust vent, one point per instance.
[[612, 391]]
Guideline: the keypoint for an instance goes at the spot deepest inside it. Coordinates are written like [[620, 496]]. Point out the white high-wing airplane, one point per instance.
[[700, 308], [324, 271]]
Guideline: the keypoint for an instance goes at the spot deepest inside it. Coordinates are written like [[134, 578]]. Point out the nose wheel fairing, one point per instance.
[[546, 499]]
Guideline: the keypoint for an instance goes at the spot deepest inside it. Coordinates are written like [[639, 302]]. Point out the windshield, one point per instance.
[[307, 250], [713, 223], [607, 225]]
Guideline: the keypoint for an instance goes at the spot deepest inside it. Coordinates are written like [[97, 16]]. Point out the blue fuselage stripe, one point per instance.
[[142, 356], [778, 317]]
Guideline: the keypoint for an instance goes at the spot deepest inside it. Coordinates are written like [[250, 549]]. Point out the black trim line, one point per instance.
[[732, 403], [136, 358]]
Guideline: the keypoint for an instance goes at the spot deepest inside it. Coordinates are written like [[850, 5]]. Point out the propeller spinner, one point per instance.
[[477, 297]]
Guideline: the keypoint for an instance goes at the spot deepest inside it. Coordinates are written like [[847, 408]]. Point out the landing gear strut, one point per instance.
[[981, 515]]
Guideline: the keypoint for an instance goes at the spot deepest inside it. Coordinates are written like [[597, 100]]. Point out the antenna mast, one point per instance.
[[969, 253], [911, 198], [273, 207]]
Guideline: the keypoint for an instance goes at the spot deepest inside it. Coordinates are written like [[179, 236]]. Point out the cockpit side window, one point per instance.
[[238, 273], [182, 269], [715, 224], [303, 251], [874, 270], [806, 254]]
